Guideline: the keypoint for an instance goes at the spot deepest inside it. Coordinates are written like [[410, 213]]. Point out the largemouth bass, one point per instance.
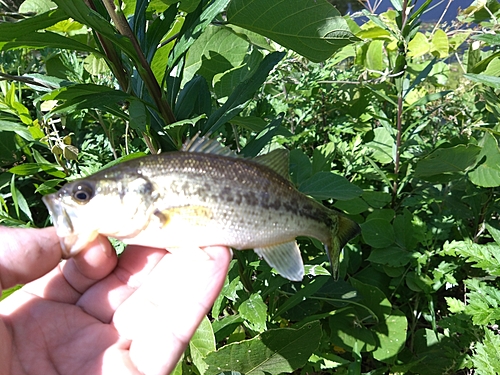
[[200, 196]]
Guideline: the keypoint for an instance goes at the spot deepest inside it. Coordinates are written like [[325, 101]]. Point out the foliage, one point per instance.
[[397, 126]]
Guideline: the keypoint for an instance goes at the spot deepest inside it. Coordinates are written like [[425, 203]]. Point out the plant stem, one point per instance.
[[399, 113], [114, 60], [142, 65]]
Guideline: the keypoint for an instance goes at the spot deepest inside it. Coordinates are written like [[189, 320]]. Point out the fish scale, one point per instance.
[[200, 198]]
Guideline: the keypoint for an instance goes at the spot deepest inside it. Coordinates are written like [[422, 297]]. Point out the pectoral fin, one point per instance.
[[285, 258]]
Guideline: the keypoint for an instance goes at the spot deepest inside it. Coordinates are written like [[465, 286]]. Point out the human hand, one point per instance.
[[96, 313]]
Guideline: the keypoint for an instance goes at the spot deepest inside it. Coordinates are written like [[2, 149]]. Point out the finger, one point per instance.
[[27, 254], [134, 266], [169, 306], [74, 276]]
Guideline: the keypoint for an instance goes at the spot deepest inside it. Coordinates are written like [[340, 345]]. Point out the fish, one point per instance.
[[203, 195]]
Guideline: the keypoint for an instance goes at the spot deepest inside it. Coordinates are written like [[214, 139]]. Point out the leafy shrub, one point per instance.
[[384, 131]]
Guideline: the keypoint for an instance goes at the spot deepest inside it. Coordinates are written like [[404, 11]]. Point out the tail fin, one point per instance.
[[345, 230]]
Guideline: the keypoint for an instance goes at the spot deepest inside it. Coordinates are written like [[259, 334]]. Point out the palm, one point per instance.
[[95, 316]]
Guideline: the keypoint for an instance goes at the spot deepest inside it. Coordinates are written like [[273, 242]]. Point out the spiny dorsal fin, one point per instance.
[[207, 146], [277, 160], [285, 258]]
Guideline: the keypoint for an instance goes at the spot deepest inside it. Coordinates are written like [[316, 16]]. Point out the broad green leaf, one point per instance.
[[255, 144], [300, 167], [215, 51], [9, 152], [493, 68], [484, 79], [20, 130], [382, 144], [455, 159], [404, 229], [225, 83], [439, 44], [391, 334], [491, 39], [36, 6], [391, 256], [378, 233], [202, 343], [376, 199], [244, 92], [347, 332], [307, 290], [328, 185], [374, 299], [138, 116], [273, 352], [95, 65], [375, 56], [418, 46], [352, 206], [195, 23], [254, 311], [323, 30], [225, 326], [487, 174]]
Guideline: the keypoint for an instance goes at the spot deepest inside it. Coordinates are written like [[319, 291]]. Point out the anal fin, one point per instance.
[[285, 258]]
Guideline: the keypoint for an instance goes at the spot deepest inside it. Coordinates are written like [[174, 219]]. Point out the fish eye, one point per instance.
[[82, 193]]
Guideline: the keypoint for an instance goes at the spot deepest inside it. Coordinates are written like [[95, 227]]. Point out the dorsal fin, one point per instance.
[[277, 160], [207, 146]]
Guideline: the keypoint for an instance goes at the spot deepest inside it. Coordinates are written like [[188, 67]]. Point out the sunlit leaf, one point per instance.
[[273, 352], [323, 30]]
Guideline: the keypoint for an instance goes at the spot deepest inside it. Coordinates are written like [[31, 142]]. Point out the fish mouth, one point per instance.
[[60, 216]]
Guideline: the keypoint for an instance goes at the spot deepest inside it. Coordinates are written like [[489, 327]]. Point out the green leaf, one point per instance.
[[439, 44], [487, 174], [81, 12], [484, 79], [391, 256], [485, 354], [202, 343], [418, 46], [322, 29], [383, 144], [44, 39], [328, 185], [254, 310], [11, 31], [215, 51], [273, 352], [455, 159], [20, 130], [378, 233], [391, 334], [244, 92], [483, 302], [300, 167], [375, 56], [36, 6], [138, 116], [484, 256]]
